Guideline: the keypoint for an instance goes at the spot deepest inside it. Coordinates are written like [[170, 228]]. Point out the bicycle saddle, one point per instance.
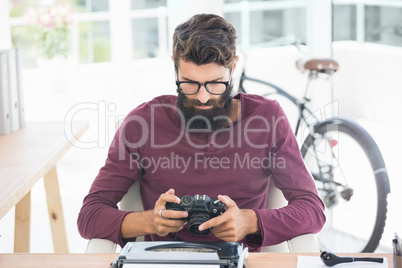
[[327, 66]]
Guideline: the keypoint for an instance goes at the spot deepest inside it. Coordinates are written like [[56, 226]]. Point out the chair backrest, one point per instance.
[[275, 198], [132, 200]]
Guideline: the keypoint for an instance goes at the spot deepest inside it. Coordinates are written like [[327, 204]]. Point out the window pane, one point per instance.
[[266, 26], [91, 5], [94, 42], [18, 7], [142, 4], [23, 39], [232, 1], [235, 19], [239, 1], [145, 38], [383, 25], [344, 22]]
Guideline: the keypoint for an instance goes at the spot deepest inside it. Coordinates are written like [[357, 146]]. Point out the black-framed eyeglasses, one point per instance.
[[213, 87]]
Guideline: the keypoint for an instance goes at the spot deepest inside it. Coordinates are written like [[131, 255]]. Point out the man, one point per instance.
[[204, 141]]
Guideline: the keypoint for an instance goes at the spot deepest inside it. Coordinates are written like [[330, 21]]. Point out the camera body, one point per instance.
[[200, 208]]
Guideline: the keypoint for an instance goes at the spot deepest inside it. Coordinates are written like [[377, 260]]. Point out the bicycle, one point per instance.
[[346, 164]]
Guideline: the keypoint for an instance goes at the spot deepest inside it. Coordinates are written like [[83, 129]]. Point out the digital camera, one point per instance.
[[200, 209]]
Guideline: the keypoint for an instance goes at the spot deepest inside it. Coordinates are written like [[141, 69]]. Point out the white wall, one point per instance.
[[369, 84]]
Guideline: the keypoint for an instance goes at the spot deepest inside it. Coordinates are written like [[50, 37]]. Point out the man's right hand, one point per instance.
[[168, 221], [158, 221]]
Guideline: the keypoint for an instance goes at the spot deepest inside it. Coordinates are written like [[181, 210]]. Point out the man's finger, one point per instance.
[[170, 191], [167, 197], [174, 214], [211, 223], [226, 200]]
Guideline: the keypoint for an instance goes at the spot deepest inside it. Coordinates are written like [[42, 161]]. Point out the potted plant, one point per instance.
[[52, 29]]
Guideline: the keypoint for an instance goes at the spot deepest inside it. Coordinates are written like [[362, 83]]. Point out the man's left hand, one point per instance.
[[234, 224]]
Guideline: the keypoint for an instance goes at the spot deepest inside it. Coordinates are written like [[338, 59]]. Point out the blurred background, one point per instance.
[[96, 60]]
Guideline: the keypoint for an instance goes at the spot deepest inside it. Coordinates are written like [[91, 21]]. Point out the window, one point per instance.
[[94, 44], [84, 6], [145, 38], [143, 4], [380, 24], [267, 23], [266, 26], [93, 30], [148, 28], [258, 23], [383, 25], [344, 22]]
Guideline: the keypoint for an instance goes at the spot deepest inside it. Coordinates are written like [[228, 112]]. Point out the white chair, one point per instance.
[[132, 202]]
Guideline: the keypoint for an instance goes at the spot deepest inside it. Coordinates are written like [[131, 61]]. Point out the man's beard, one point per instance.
[[214, 118]]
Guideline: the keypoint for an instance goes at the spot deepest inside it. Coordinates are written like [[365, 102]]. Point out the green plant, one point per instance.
[[52, 29]]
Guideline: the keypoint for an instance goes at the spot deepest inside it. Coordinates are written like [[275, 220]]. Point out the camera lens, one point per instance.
[[186, 200], [195, 220]]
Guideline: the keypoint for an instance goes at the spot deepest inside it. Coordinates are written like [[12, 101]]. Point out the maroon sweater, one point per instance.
[[237, 161]]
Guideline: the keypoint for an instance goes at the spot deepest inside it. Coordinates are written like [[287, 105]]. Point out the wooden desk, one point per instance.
[[289, 260], [27, 155], [255, 260]]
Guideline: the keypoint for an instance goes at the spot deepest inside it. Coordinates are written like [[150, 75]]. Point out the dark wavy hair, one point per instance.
[[203, 39]]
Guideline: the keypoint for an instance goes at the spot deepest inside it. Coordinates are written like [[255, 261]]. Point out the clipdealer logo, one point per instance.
[[108, 123], [106, 119], [200, 161]]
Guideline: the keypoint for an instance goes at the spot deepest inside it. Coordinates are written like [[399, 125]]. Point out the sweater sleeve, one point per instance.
[[305, 210], [99, 216]]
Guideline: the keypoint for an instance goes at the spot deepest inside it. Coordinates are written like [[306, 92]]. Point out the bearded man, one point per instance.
[[204, 141]]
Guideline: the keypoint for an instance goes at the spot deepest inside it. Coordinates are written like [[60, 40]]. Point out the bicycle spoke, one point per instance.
[[347, 185]]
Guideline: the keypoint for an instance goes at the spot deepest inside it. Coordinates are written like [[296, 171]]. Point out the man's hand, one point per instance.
[[157, 221], [234, 224], [167, 221]]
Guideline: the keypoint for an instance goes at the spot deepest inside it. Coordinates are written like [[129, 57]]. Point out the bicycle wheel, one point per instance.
[[352, 180]]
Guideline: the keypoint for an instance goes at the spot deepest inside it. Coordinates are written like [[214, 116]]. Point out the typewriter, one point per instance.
[[213, 254]]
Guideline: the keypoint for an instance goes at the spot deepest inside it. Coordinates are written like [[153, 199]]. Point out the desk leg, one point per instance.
[[22, 224], [55, 211]]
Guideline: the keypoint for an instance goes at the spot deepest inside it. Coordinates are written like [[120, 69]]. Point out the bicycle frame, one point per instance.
[[300, 103]]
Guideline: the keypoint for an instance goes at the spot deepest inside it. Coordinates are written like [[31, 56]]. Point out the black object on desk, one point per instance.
[[396, 245], [224, 254], [331, 259]]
